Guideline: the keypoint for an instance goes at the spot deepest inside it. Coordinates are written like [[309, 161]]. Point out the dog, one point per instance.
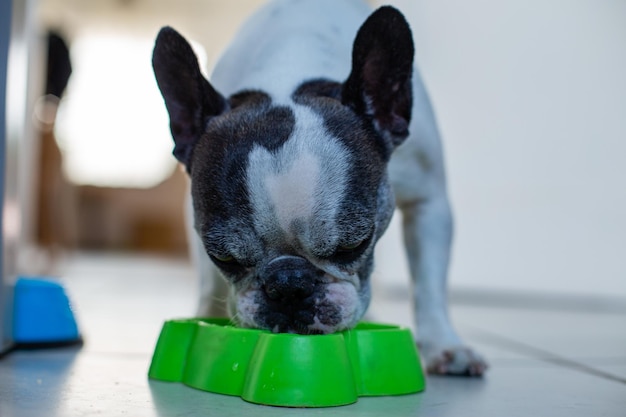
[[314, 127]]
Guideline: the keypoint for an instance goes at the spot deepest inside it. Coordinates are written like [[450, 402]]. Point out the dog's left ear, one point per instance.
[[190, 99], [379, 85]]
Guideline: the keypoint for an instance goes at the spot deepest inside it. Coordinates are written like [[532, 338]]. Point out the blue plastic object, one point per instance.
[[42, 313]]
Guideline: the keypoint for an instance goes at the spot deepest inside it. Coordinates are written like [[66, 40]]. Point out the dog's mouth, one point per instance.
[[312, 315], [328, 309]]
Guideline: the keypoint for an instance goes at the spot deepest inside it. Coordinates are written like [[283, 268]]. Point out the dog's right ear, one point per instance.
[[190, 100], [379, 86]]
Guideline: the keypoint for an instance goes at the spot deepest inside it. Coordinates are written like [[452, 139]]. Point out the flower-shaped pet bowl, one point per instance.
[[286, 369]]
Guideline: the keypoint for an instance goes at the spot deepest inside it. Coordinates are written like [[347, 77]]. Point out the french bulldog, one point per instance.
[[314, 128]]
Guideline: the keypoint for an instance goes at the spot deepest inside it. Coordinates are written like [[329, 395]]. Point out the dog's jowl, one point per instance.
[[313, 128]]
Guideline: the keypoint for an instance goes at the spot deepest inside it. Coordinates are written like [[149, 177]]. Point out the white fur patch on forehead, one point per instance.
[[293, 190], [303, 180]]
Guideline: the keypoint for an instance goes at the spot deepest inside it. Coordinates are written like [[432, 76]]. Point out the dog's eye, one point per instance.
[[234, 269], [223, 259], [348, 253], [350, 247]]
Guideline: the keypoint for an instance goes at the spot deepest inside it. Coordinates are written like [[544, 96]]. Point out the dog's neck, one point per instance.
[[286, 65], [288, 54]]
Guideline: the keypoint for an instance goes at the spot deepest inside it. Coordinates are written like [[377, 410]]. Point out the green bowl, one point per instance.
[[385, 360], [297, 371], [285, 369]]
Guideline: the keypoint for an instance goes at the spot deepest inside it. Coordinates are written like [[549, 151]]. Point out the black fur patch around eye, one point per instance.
[[252, 120]]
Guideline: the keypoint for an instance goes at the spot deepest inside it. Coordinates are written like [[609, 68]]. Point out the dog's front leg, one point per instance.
[[427, 227]]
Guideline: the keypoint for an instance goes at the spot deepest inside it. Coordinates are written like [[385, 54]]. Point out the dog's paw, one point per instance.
[[457, 360]]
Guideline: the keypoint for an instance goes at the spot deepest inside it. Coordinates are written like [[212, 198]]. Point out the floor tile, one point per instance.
[[72, 383], [571, 336]]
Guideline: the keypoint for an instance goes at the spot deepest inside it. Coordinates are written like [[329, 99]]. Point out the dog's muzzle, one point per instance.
[[291, 286]]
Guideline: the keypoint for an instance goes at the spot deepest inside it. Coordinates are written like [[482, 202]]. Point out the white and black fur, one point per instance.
[[295, 151]]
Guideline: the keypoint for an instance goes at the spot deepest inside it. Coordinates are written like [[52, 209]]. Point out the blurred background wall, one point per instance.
[[530, 98]]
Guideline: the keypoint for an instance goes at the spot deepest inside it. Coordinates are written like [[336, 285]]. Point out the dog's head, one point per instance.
[[289, 200]]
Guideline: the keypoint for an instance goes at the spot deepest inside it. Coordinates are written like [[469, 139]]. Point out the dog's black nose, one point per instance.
[[290, 278]]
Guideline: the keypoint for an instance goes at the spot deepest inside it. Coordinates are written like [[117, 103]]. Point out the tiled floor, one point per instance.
[[547, 362]]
